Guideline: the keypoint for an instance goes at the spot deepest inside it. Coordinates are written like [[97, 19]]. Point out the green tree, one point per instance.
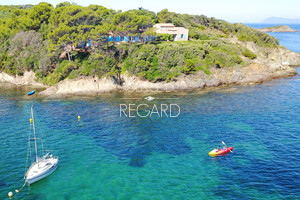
[[189, 66], [164, 16], [131, 22], [40, 14]]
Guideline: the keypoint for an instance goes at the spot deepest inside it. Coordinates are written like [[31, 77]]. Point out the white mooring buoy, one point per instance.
[[10, 194]]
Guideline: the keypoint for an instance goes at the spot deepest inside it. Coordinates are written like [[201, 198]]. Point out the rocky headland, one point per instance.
[[270, 63], [75, 55]]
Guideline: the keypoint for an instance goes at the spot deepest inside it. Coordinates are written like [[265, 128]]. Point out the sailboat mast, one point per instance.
[[36, 153]]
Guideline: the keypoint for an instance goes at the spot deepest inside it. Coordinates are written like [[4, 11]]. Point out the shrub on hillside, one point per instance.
[[249, 54]]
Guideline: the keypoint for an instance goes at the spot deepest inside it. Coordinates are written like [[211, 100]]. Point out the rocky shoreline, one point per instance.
[[249, 75], [270, 64], [90, 86], [28, 79]]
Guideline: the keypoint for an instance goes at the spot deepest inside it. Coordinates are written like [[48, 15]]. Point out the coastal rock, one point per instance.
[[27, 79], [251, 74], [81, 86], [282, 28]]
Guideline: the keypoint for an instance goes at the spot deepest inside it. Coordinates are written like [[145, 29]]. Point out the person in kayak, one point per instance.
[[220, 150], [215, 150]]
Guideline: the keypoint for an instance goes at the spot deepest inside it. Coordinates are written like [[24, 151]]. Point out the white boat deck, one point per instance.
[[41, 169]]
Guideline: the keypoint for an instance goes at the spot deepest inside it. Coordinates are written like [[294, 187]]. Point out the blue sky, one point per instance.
[[229, 10]]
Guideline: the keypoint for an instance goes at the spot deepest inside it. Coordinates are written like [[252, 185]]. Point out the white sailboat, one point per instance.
[[43, 166], [40, 167]]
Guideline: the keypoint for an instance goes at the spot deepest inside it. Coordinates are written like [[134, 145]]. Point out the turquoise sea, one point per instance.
[[105, 156]]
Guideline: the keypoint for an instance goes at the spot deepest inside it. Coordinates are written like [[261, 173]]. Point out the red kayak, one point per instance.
[[220, 151]]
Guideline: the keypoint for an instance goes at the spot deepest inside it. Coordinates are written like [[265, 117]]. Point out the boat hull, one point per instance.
[[220, 151], [34, 178]]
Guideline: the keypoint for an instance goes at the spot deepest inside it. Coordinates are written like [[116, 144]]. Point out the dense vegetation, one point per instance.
[[35, 38]]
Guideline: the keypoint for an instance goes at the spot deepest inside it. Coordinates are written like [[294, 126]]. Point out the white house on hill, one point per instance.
[[180, 33]]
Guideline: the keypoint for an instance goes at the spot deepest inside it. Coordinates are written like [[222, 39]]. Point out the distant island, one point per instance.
[[281, 28], [280, 20]]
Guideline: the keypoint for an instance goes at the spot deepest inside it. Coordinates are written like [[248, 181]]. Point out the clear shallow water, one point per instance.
[[103, 156]]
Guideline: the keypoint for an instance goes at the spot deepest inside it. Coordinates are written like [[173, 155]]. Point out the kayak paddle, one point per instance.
[[226, 146]]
